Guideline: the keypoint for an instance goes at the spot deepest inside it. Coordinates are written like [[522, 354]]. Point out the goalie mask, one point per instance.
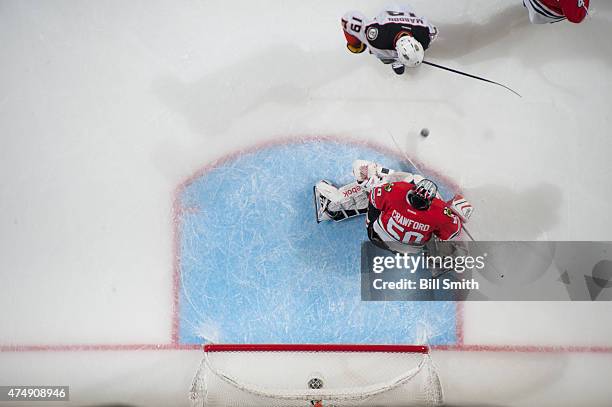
[[422, 195]]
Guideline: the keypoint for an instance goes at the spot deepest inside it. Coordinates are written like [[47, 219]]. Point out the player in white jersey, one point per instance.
[[552, 11], [396, 36]]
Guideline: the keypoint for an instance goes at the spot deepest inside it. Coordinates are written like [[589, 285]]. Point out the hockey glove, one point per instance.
[[356, 49]]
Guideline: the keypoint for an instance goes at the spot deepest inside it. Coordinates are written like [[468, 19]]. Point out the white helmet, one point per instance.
[[409, 51]]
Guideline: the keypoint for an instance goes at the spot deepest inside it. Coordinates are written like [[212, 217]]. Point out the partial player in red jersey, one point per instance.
[[404, 210], [404, 214], [552, 11]]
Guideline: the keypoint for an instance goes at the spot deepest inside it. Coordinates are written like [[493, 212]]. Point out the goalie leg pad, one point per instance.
[[337, 204]]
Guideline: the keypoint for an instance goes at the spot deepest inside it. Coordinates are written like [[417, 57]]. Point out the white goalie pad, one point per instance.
[[337, 204]]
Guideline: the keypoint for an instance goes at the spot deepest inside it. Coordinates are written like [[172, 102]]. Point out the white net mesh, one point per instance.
[[316, 378]]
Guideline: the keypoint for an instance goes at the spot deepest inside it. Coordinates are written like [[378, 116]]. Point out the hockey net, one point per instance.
[[316, 375]]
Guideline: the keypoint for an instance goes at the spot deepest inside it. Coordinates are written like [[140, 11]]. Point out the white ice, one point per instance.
[[105, 107]]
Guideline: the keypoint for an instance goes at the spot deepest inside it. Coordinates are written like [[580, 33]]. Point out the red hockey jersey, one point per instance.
[[400, 222]]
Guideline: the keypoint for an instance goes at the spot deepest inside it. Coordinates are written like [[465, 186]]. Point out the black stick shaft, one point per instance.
[[471, 76]]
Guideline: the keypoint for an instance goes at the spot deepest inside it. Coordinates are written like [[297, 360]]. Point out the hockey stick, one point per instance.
[[467, 232], [471, 76]]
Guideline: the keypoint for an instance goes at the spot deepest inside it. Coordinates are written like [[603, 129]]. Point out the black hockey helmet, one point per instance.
[[423, 194]]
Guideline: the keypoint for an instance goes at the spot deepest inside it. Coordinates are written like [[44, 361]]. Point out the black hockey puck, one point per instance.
[[425, 132]]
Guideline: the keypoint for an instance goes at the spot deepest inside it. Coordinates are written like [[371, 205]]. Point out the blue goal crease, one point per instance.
[[255, 266]]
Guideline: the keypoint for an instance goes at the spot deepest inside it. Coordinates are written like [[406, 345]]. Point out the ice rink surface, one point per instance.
[[231, 286], [109, 111]]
